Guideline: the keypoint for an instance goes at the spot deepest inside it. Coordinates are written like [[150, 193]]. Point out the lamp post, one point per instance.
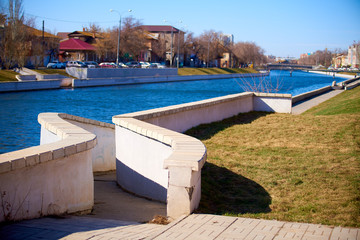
[[119, 29], [178, 51], [178, 43]]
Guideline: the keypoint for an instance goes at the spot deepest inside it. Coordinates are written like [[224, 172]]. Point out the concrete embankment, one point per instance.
[[29, 80], [107, 77], [90, 77], [33, 85], [93, 82], [334, 74]]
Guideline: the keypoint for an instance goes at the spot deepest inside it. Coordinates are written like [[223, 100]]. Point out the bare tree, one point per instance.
[[209, 48], [132, 37], [15, 41], [158, 48], [247, 53], [320, 57]]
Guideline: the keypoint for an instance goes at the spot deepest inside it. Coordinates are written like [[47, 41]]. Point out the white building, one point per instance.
[[354, 55]]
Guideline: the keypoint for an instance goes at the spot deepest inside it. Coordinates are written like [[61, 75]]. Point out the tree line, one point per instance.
[[18, 42]]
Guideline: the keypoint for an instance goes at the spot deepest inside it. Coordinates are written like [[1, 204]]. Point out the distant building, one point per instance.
[[78, 46], [227, 40], [43, 47], [354, 55], [163, 37], [340, 60]]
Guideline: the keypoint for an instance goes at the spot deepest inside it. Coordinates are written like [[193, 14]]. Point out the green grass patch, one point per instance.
[[301, 168], [347, 102], [210, 71], [8, 76]]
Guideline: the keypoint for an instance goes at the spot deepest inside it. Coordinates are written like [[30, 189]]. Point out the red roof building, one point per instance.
[[73, 44], [75, 49]]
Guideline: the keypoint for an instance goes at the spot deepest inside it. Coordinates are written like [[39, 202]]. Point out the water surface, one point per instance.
[[18, 118]]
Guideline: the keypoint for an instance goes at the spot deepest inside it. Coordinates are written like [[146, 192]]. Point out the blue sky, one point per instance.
[[281, 28]]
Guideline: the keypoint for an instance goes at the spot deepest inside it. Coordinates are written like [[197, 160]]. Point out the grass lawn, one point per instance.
[[209, 71], [303, 168], [8, 75]]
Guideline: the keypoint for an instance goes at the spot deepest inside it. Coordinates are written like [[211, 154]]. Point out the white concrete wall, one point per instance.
[[158, 163], [106, 81], [51, 179], [153, 131], [140, 164], [270, 102], [93, 73], [103, 155], [64, 185], [185, 116]]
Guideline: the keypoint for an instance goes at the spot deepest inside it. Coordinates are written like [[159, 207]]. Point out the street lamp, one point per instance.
[[178, 47], [171, 47], [118, 45]]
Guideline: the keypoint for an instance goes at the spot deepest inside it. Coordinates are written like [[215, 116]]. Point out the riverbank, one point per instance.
[[113, 77], [335, 74]]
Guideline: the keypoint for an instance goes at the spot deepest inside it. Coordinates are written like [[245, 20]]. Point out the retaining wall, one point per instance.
[[92, 82], [156, 161], [51, 179], [94, 73], [29, 85]]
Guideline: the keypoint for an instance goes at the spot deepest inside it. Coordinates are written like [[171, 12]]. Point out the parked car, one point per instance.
[[144, 64], [133, 64], [107, 65], [91, 64], [75, 64], [56, 64], [122, 65], [156, 65]]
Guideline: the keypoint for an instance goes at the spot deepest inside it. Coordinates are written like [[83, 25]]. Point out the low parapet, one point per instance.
[[53, 178], [155, 160]]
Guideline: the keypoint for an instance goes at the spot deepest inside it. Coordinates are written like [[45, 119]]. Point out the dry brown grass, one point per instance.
[[277, 166]]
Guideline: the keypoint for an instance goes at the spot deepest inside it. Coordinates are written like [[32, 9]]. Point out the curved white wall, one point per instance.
[[147, 144], [51, 179]]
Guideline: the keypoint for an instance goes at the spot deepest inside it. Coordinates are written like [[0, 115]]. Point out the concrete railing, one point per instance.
[[156, 162], [103, 73], [26, 77], [106, 81], [51, 179], [103, 154], [347, 85], [310, 94]]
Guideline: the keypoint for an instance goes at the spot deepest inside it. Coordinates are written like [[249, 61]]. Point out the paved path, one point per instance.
[[195, 226], [303, 106]]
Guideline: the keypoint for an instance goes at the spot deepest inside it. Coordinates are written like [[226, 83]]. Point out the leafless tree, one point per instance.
[[208, 47], [247, 53], [15, 41], [158, 48], [132, 37], [320, 57]]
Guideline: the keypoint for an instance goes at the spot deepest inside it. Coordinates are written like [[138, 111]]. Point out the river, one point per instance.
[[19, 110]]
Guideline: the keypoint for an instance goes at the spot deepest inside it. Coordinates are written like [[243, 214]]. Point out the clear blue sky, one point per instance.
[[282, 28]]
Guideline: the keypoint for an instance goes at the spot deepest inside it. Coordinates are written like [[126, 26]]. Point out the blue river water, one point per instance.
[[19, 110]]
